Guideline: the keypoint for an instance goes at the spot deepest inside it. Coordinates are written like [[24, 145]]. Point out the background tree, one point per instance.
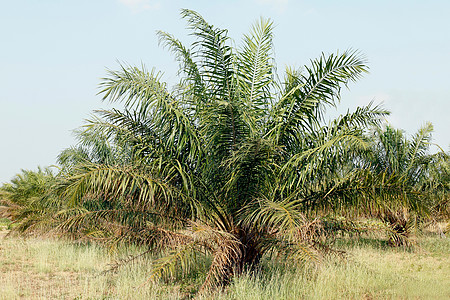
[[29, 202], [403, 165]]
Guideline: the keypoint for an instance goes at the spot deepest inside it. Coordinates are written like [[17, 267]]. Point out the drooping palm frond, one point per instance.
[[324, 153], [139, 186], [302, 102], [193, 79], [288, 231], [201, 239], [142, 91]]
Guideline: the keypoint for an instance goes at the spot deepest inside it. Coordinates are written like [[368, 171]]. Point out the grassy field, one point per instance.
[[37, 268]]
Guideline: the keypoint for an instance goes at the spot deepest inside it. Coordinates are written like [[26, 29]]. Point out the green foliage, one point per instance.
[[232, 162], [212, 165], [393, 155], [29, 202]]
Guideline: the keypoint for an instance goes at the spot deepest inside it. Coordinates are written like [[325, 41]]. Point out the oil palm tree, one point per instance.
[[226, 162], [404, 166], [437, 184], [29, 202]]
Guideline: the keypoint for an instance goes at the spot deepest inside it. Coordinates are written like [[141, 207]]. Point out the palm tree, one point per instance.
[[228, 161], [436, 185], [29, 202], [404, 164]]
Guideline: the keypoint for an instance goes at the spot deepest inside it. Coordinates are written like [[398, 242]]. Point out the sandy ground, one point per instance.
[[3, 233]]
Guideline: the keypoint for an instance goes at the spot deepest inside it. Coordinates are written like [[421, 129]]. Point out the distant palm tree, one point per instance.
[[228, 161], [437, 184], [28, 200], [404, 165]]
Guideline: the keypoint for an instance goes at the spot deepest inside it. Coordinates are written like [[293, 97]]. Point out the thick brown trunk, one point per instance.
[[229, 263]]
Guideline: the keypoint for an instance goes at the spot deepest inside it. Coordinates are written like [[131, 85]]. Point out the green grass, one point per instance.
[[4, 223], [45, 269], [370, 271]]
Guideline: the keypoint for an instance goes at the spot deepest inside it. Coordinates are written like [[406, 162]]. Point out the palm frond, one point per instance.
[[302, 102], [255, 70]]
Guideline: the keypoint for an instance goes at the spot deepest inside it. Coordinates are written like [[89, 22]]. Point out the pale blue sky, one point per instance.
[[53, 54]]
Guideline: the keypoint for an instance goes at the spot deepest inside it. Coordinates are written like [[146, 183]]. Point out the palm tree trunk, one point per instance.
[[230, 262], [400, 227]]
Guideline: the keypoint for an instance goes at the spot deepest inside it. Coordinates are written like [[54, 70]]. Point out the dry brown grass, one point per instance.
[[49, 269], [41, 269]]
